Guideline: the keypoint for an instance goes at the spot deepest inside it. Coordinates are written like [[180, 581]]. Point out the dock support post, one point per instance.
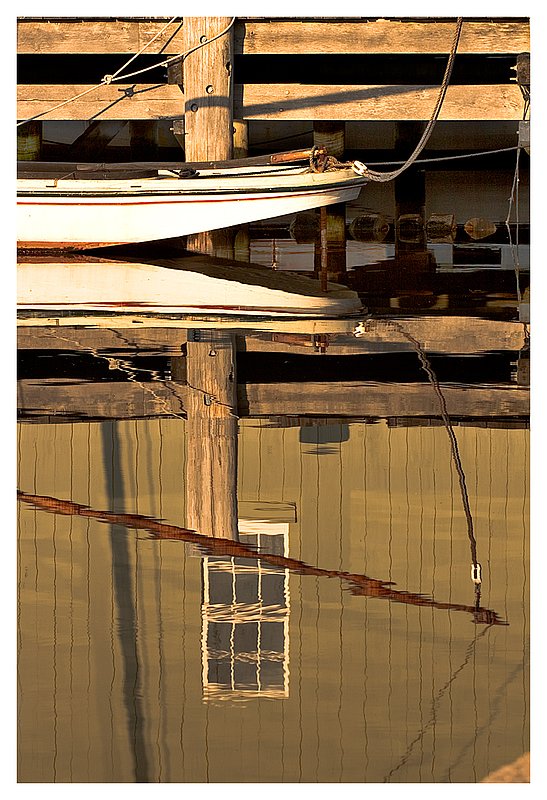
[[29, 141], [212, 426], [331, 265], [414, 263], [208, 109], [242, 244]]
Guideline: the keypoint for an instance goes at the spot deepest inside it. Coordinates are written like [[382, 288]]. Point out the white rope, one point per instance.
[[108, 79], [127, 63]]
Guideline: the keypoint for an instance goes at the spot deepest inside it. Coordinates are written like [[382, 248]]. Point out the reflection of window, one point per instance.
[[245, 636]]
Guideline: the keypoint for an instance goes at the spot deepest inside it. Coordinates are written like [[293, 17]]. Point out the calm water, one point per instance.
[[330, 630]]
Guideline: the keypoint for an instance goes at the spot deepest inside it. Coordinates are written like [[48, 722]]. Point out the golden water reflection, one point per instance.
[[151, 658]]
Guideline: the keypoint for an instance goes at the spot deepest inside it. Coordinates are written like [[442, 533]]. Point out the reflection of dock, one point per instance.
[[452, 334], [57, 399], [343, 368]]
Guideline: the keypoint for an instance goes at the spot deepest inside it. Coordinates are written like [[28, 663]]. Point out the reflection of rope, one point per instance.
[[432, 719], [129, 369], [382, 177], [476, 569], [108, 79]]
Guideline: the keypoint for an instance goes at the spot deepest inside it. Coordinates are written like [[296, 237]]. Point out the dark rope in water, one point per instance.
[[452, 438]]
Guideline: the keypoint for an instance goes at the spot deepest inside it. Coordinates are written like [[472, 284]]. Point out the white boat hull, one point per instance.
[[82, 214], [113, 286]]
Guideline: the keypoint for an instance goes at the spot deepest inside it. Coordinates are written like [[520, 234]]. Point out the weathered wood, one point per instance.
[[353, 398], [29, 141], [208, 89], [376, 102], [208, 110], [164, 341], [113, 101], [272, 36], [435, 334], [99, 36], [392, 36], [82, 400], [211, 437], [277, 102]]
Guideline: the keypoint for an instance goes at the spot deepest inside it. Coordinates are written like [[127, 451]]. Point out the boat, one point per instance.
[[71, 206], [76, 284]]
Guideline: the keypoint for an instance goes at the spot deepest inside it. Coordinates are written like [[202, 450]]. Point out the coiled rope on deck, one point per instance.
[[382, 177]]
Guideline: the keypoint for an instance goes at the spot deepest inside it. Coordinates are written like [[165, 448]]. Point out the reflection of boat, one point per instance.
[[191, 283], [73, 206]]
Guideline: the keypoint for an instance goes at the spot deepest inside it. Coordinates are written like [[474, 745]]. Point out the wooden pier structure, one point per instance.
[[214, 88], [216, 83]]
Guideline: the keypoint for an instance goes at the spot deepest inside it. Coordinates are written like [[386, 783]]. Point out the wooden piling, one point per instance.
[[29, 141], [208, 109], [331, 264], [212, 425]]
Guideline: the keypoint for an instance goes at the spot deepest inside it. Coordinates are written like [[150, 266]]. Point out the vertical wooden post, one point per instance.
[[414, 263], [143, 139], [211, 473], [332, 136], [208, 109], [242, 244], [29, 141]]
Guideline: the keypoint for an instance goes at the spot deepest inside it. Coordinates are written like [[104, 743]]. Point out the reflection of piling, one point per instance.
[[441, 228], [409, 193], [211, 475], [371, 227]]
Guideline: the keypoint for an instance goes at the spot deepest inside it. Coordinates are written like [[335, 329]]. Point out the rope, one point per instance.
[[514, 199], [382, 177], [426, 366], [108, 79]]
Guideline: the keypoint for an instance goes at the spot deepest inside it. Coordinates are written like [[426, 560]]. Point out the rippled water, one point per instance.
[[276, 586]]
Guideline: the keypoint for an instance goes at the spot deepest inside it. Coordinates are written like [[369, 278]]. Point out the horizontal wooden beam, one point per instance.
[[146, 341], [106, 400], [276, 102], [435, 334], [274, 37], [362, 399], [87, 36], [374, 103], [378, 36], [112, 101]]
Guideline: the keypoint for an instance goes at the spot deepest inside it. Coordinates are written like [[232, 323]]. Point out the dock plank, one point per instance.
[[270, 36], [281, 101], [89, 36], [379, 36], [112, 101], [277, 102], [81, 399]]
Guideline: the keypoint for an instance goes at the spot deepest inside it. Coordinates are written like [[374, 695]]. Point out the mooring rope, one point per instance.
[[108, 79], [426, 366], [382, 177]]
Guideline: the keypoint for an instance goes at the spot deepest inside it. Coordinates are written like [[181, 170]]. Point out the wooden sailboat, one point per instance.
[[79, 206]]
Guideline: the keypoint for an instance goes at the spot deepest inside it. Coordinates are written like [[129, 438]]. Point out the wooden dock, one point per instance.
[[478, 94], [272, 70]]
